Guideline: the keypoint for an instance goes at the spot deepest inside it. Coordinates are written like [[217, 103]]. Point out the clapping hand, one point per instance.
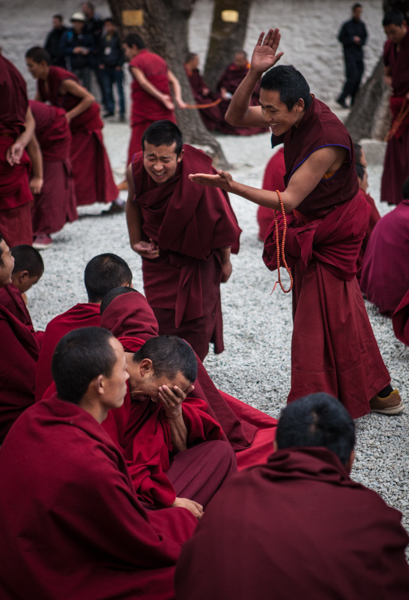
[[265, 53]]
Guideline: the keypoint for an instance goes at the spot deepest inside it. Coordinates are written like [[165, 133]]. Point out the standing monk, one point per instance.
[[16, 130], [333, 347], [90, 163], [396, 59], [183, 233]]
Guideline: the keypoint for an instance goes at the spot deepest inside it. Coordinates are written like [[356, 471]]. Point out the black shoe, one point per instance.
[[342, 103], [114, 209], [108, 114]]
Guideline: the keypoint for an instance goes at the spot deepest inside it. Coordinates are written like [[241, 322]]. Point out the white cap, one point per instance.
[[78, 16]]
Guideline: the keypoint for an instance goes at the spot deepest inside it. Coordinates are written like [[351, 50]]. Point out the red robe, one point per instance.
[[84, 534], [333, 346], [17, 369], [80, 315], [190, 223], [212, 116], [296, 527], [273, 180], [11, 298], [396, 165], [230, 81], [400, 320], [93, 177], [373, 220], [145, 108], [15, 194], [57, 204]]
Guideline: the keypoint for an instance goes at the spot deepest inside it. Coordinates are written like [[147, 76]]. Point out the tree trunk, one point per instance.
[[165, 32], [226, 38]]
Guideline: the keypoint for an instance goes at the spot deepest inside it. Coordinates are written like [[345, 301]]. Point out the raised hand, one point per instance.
[[265, 52], [222, 180]]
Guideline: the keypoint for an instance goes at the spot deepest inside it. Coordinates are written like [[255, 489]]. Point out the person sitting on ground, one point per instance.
[[18, 354], [211, 116], [298, 526], [102, 273], [84, 534], [273, 180]]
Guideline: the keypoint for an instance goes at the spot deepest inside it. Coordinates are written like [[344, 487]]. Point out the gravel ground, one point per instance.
[[256, 364]]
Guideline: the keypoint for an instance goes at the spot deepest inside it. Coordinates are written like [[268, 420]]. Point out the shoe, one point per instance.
[[123, 186], [122, 119], [108, 114], [42, 242], [342, 103], [114, 209], [391, 405]]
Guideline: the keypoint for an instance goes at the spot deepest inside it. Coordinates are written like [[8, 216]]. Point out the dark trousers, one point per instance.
[[354, 68], [111, 76], [84, 75]]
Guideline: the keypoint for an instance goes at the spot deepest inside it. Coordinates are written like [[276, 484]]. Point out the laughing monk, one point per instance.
[[184, 234], [93, 177], [333, 346]]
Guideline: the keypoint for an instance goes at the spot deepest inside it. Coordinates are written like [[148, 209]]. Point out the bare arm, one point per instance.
[[34, 152], [87, 99], [303, 182], [227, 267], [151, 89], [387, 76], [15, 152], [177, 91]]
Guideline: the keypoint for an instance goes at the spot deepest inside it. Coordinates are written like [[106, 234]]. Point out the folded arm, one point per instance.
[[72, 87]]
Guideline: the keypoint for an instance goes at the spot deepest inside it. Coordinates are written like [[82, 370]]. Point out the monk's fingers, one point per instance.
[[269, 37], [260, 39], [189, 389], [205, 179], [275, 41]]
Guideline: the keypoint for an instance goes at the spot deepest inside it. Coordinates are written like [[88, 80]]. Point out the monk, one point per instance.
[[16, 130], [298, 526], [92, 172], [102, 273], [84, 534], [273, 180], [56, 203], [184, 235], [396, 60], [28, 270], [333, 346], [211, 115], [18, 354], [227, 85]]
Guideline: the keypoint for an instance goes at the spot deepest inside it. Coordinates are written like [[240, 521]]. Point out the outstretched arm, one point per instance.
[[240, 113]]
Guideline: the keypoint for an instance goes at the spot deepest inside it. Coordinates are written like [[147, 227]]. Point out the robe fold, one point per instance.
[[80, 315], [11, 298], [273, 180], [212, 116], [190, 224], [400, 320], [295, 527], [373, 220], [333, 347], [92, 172], [84, 534], [385, 268], [396, 165], [145, 108], [18, 359], [15, 194], [56, 204]]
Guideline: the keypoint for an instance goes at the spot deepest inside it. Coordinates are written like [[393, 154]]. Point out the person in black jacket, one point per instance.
[[52, 42], [352, 36], [110, 63], [93, 27], [77, 46]]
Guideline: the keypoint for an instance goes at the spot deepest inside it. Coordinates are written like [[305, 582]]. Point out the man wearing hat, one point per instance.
[[76, 46]]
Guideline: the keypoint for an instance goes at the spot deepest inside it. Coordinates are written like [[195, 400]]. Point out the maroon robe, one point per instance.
[[396, 165], [145, 108], [11, 298], [15, 194], [190, 224], [80, 315], [373, 220], [333, 347], [273, 180], [93, 177], [211, 116], [400, 320], [83, 534], [56, 204], [18, 357], [230, 81], [296, 527]]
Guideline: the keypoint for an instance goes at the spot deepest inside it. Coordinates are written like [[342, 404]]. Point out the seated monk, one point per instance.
[[184, 234], [227, 85], [55, 205], [28, 270], [249, 431], [102, 273], [374, 216], [16, 130], [18, 355], [385, 276], [84, 534], [92, 172], [298, 526], [273, 180], [211, 116]]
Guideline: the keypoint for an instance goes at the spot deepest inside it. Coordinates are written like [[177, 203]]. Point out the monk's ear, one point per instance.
[[146, 367], [22, 276], [99, 384], [181, 155], [300, 105]]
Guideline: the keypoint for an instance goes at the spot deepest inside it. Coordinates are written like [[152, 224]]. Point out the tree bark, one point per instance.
[[225, 38], [165, 32]]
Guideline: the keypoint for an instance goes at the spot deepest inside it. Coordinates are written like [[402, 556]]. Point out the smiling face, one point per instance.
[[276, 113], [161, 162], [396, 33], [143, 383]]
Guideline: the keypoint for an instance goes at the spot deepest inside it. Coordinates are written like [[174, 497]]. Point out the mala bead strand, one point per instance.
[[281, 250]]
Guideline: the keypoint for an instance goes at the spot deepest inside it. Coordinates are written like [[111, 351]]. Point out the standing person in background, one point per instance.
[[93, 27], [111, 59], [76, 46], [53, 40], [352, 36]]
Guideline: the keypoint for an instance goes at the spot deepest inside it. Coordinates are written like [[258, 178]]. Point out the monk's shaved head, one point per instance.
[[105, 272], [163, 133], [289, 83], [169, 355], [27, 258], [38, 55]]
